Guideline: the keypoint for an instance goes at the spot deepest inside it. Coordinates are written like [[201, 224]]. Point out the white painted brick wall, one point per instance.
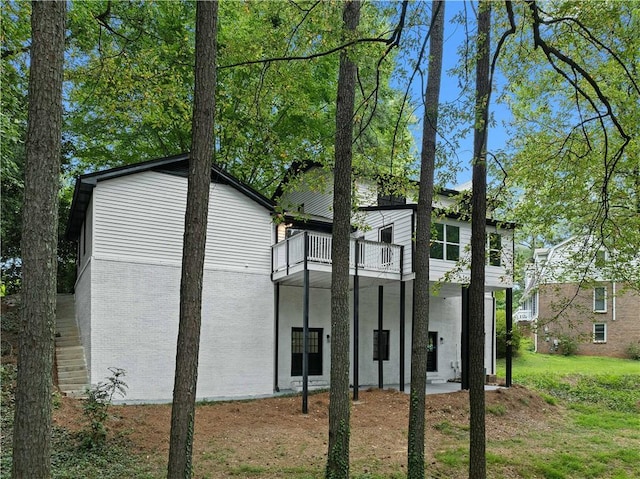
[[83, 309], [135, 326]]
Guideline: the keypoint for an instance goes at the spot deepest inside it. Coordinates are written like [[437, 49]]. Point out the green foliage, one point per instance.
[[610, 384], [501, 336], [567, 345], [497, 409], [338, 460], [574, 168], [96, 407], [633, 351]]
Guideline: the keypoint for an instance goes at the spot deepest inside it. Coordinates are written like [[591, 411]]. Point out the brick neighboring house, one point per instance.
[[571, 297]]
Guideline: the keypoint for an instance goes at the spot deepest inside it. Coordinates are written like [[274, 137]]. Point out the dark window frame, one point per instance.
[[385, 344]]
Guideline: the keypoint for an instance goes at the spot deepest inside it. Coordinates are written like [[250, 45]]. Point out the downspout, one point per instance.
[[613, 302], [356, 323]]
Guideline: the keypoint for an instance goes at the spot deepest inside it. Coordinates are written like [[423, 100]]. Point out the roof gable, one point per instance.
[[175, 165]]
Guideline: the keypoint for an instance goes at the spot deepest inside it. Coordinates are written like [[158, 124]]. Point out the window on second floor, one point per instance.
[[600, 299], [494, 254], [445, 242], [599, 333], [386, 234]]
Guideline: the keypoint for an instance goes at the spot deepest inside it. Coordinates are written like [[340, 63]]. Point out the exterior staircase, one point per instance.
[[73, 379]]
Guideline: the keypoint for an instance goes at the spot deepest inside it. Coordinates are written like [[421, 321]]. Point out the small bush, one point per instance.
[[96, 406], [633, 351], [567, 345], [501, 337]]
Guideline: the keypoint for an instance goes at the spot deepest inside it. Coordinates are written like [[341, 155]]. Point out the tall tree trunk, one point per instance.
[[195, 236], [339, 403], [420, 333], [32, 425], [477, 461]]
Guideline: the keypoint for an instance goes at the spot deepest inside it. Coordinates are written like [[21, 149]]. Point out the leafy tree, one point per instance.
[[573, 88], [422, 290], [130, 88], [32, 424], [16, 32], [195, 238], [339, 403]]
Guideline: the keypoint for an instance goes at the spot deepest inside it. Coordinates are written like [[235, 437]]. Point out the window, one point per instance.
[[445, 242], [601, 258], [495, 249], [386, 234], [599, 333], [385, 345], [315, 351], [600, 299]]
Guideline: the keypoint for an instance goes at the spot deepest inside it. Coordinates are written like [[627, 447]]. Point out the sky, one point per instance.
[[455, 36]]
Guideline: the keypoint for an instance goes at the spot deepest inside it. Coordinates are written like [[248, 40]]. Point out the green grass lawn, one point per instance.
[[609, 383], [530, 363]]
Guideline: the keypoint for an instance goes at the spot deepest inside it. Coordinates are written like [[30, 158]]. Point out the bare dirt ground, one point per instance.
[[268, 438], [273, 435]]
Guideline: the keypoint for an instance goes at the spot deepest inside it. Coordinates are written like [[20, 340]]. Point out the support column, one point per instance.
[[356, 324], [402, 332], [276, 314], [464, 343], [380, 344], [509, 317], [305, 330]]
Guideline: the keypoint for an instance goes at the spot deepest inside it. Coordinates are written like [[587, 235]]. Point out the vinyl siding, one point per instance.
[[141, 217], [314, 196], [402, 234]]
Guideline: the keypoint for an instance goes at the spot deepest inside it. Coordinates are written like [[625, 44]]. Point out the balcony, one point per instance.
[[366, 258]]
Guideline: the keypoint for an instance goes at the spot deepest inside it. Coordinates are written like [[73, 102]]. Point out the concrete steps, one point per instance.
[[73, 379]]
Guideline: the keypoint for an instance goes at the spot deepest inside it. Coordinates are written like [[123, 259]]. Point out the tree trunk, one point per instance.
[[339, 403], [32, 425], [420, 334], [477, 461], [195, 235]]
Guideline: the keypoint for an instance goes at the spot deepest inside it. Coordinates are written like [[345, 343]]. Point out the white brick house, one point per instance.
[[128, 223]]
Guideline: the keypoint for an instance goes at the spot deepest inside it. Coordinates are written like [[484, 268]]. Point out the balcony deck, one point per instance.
[[376, 260]]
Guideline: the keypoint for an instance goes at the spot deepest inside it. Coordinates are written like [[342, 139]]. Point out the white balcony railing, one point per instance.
[[372, 255]]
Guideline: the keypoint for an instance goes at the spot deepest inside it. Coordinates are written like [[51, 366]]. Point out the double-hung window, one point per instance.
[[494, 255], [599, 332], [445, 242], [600, 299]]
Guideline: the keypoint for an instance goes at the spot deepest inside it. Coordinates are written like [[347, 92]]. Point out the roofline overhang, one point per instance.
[[86, 183], [447, 214]]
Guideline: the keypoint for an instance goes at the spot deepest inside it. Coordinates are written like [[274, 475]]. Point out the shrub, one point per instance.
[[633, 351], [96, 406], [501, 336], [567, 345]]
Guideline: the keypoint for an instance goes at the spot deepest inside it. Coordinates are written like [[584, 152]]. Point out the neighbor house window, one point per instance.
[[600, 299], [495, 249], [385, 345], [601, 258], [599, 333], [445, 242]]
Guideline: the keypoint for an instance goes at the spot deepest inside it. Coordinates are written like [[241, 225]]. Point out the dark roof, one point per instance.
[[175, 165], [295, 168], [440, 211]]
